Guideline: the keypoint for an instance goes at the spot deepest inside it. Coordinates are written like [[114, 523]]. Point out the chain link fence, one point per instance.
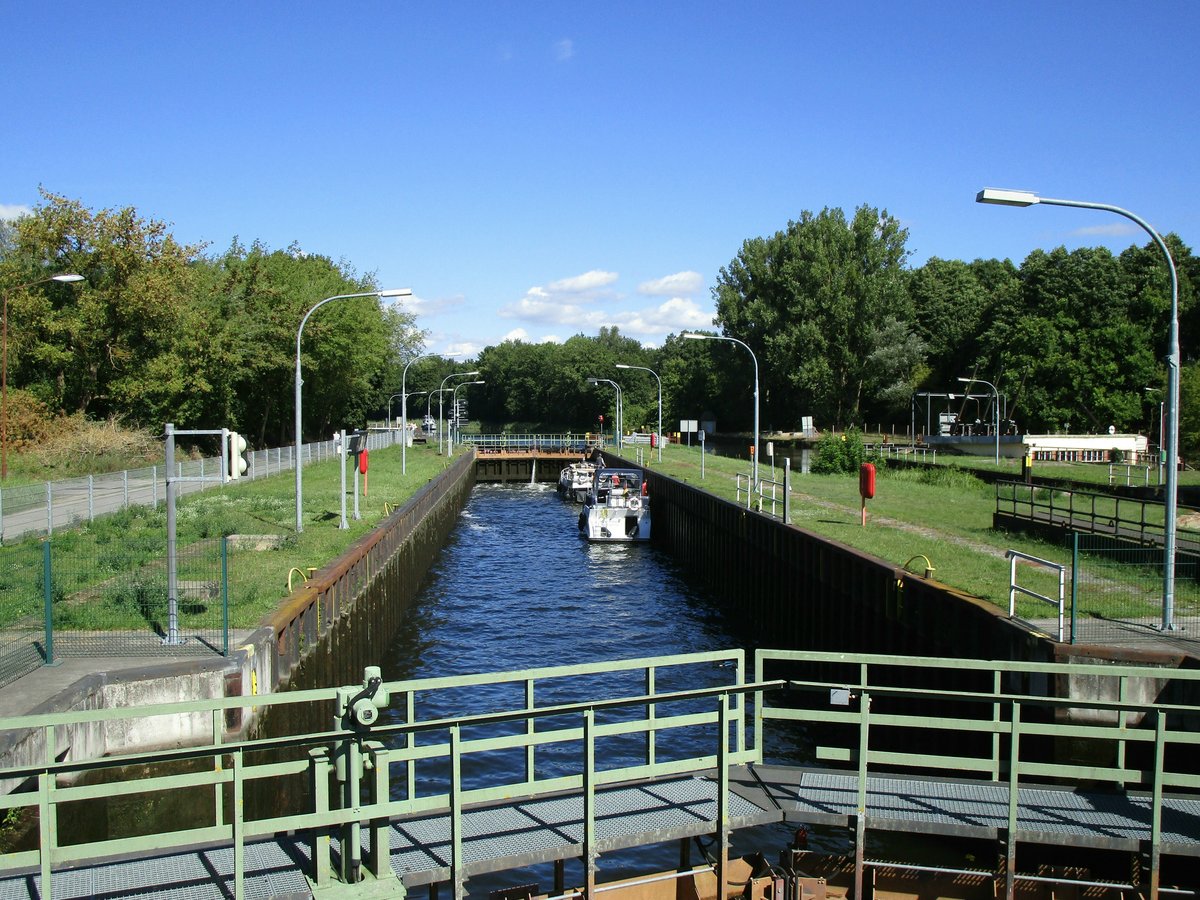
[[1117, 592], [41, 509], [57, 601]]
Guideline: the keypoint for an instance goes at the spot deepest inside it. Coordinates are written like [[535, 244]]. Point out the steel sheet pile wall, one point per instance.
[[346, 616], [803, 591]]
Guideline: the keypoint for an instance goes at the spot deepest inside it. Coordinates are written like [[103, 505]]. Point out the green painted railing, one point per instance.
[[990, 720], [653, 700]]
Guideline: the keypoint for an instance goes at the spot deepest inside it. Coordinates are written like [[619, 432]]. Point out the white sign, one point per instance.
[[688, 425]]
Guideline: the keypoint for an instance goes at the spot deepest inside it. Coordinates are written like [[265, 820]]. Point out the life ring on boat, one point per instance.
[[634, 503]]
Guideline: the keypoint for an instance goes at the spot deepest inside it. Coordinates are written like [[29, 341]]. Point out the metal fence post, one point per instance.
[[48, 597], [91, 499], [49, 509], [225, 595], [125, 485], [154, 484], [1074, 579], [787, 490]]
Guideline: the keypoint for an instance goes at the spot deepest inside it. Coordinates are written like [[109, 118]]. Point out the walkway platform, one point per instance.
[[513, 834]]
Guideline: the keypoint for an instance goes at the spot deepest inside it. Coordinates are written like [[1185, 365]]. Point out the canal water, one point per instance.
[[515, 587]]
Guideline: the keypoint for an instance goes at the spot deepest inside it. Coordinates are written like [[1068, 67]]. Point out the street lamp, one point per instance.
[[404, 399], [404, 409], [619, 426], [440, 399], [68, 278], [995, 409], [659, 380], [453, 406], [1170, 501], [691, 335], [397, 292]]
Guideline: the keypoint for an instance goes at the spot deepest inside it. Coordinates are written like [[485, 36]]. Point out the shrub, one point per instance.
[[839, 454]]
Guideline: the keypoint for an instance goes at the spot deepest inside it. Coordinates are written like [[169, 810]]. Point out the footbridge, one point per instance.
[[384, 788], [528, 457]]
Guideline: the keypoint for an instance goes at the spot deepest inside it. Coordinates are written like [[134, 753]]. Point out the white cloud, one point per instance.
[[462, 349], [579, 284], [681, 283], [517, 334], [564, 49], [550, 339], [419, 306], [12, 211]]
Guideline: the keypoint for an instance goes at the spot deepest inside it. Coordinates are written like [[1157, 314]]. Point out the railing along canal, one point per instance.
[[1133, 518], [536, 733], [434, 747], [565, 442]]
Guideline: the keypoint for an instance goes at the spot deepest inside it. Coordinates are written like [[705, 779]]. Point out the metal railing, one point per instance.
[[768, 496], [901, 451], [1132, 518], [534, 732], [1014, 557], [553, 443], [990, 721], [434, 746], [41, 508]]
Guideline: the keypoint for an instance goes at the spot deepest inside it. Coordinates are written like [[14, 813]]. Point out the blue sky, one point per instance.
[[542, 169]]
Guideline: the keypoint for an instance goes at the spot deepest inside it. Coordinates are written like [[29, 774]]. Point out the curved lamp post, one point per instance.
[[619, 426], [404, 407], [398, 292], [66, 278], [453, 406], [1170, 501], [995, 409], [659, 380], [691, 335], [443, 388], [403, 401]]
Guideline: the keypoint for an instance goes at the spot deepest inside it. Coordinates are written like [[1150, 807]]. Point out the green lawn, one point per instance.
[[943, 514], [105, 571]]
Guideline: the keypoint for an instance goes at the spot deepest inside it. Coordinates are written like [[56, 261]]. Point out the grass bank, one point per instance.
[[943, 514], [104, 570]]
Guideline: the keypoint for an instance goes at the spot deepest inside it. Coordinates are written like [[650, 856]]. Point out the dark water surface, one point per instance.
[[515, 587]]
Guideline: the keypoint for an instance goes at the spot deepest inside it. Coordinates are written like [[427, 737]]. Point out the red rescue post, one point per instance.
[[362, 467], [866, 486]]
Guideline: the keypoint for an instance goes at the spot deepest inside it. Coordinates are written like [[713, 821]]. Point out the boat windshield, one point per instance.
[[629, 480]]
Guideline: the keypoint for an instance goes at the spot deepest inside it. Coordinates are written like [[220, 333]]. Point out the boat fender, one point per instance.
[[635, 503]]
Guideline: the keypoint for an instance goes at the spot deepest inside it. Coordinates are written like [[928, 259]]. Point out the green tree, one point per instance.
[[809, 300], [125, 342]]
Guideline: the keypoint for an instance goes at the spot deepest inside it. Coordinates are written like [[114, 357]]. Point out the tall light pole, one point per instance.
[[995, 409], [66, 278], [659, 380], [397, 292], [720, 337], [453, 406], [440, 399], [403, 399], [404, 408], [1170, 501], [619, 426]]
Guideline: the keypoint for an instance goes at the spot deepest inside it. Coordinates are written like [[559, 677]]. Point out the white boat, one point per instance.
[[617, 507], [575, 480]]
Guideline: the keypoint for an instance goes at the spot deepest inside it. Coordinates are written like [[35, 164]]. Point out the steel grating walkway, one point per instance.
[[1045, 815], [518, 833]]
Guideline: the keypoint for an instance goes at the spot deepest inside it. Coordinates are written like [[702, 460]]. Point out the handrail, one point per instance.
[[1015, 556], [666, 710], [1134, 518]]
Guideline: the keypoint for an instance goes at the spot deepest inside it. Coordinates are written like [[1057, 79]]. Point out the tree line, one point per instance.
[[843, 329]]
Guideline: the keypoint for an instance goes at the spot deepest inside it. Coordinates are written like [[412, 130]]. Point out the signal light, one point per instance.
[[237, 461]]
